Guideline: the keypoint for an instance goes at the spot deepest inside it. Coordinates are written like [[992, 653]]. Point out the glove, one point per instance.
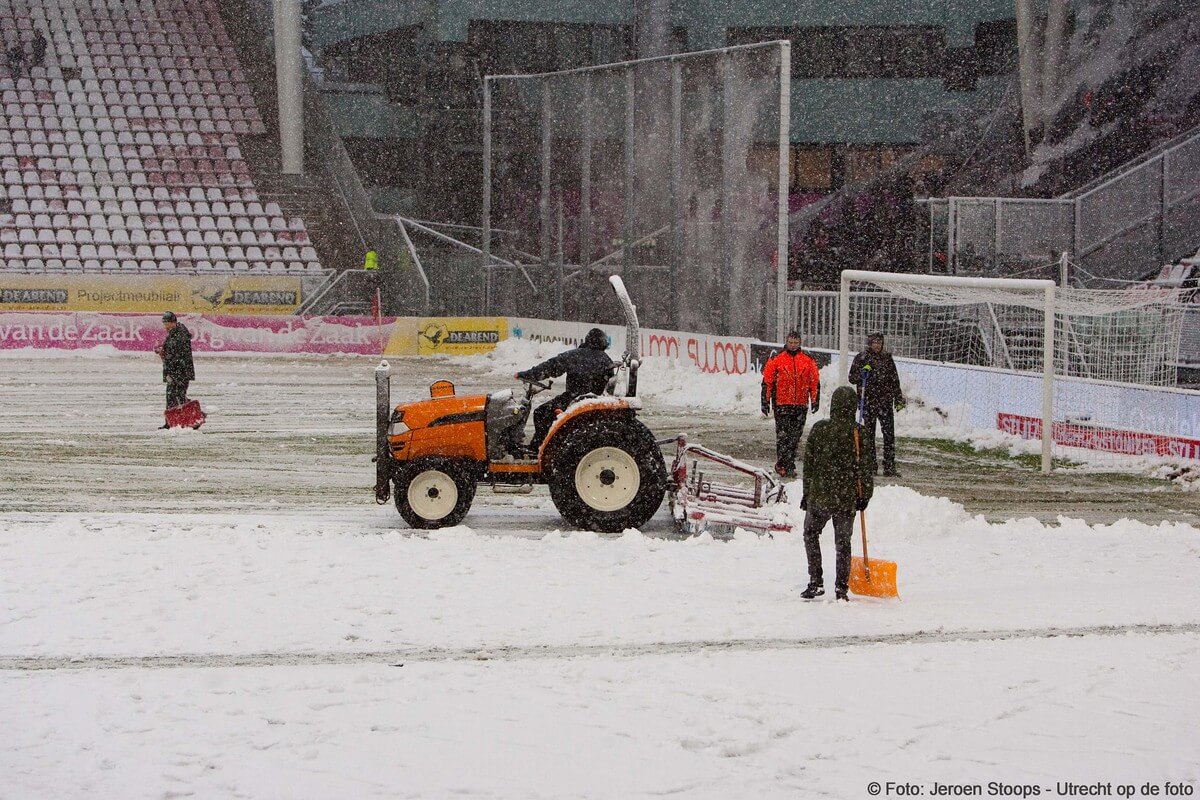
[[766, 410], [804, 502], [899, 404], [816, 405], [861, 504]]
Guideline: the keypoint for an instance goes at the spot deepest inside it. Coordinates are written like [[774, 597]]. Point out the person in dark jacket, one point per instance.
[[588, 369], [838, 480], [176, 355], [873, 372], [16, 60], [37, 50], [791, 384]]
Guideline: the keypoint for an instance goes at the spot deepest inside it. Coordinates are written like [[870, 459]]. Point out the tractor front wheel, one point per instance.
[[433, 493], [608, 476]]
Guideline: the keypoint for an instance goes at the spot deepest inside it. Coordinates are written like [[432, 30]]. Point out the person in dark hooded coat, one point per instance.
[[37, 50], [588, 369], [838, 480], [176, 355], [873, 371]]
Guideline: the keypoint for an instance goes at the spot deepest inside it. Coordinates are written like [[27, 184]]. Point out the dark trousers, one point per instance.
[[789, 427], [843, 527], [887, 423], [543, 416], [176, 393]]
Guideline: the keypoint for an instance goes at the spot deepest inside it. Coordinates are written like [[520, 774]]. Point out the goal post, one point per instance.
[[875, 311]]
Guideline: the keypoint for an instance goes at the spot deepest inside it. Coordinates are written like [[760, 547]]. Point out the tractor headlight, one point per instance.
[[397, 426]]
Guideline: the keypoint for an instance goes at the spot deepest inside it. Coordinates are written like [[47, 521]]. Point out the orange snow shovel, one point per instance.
[[871, 578]]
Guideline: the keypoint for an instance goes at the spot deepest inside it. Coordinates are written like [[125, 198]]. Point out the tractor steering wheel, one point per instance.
[[536, 387]]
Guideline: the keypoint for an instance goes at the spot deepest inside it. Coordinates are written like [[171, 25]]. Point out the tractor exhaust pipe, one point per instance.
[[383, 415]]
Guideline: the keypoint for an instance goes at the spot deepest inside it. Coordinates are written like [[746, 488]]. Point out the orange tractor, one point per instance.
[[603, 466]]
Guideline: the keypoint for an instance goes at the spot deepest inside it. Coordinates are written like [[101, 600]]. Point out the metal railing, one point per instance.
[[995, 236], [1133, 163], [815, 316], [1122, 225], [1189, 346], [1137, 195]]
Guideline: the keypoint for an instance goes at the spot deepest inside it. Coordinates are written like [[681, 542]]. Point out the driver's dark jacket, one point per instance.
[[587, 369]]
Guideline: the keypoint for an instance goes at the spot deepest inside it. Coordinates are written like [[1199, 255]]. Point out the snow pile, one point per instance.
[[664, 381], [511, 356]]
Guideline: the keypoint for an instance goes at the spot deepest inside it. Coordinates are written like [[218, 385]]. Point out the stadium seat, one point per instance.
[[107, 172]]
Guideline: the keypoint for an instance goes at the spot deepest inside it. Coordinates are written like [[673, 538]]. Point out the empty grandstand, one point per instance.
[[121, 145]]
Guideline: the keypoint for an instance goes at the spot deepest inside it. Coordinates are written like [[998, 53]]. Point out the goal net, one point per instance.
[[1075, 368]]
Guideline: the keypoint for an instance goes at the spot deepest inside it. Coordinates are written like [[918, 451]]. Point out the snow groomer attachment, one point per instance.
[[715, 493]]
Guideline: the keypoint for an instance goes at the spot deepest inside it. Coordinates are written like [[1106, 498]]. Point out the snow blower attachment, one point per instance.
[[701, 504]]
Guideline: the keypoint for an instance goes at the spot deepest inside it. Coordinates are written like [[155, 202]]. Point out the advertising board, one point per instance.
[[457, 336], [1101, 438], [210, 333], [215, 294]]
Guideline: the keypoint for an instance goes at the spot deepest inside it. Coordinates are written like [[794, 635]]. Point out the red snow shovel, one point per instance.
[[870, 578], [187, 415]]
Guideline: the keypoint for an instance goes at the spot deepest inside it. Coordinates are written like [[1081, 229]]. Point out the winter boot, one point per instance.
[[841, 594], [890, 472], [814, 590]]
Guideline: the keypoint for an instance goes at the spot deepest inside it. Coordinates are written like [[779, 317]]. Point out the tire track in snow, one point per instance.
[[555, 652]]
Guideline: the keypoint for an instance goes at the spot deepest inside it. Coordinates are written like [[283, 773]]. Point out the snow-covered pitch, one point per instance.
[[227, 613]]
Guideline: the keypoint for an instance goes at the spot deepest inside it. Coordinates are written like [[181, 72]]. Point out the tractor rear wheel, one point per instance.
[[433, 493], [608, 475]]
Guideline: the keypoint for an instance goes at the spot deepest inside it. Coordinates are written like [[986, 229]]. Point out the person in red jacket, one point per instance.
[[791, 385]]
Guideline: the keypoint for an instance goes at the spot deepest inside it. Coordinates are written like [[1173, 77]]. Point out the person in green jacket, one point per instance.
[[838, 480]]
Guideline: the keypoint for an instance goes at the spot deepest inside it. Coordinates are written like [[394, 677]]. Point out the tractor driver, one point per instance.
[[588, 369]]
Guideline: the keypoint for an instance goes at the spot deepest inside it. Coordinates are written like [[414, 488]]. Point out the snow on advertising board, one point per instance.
[[210, 333], [213, 294]]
